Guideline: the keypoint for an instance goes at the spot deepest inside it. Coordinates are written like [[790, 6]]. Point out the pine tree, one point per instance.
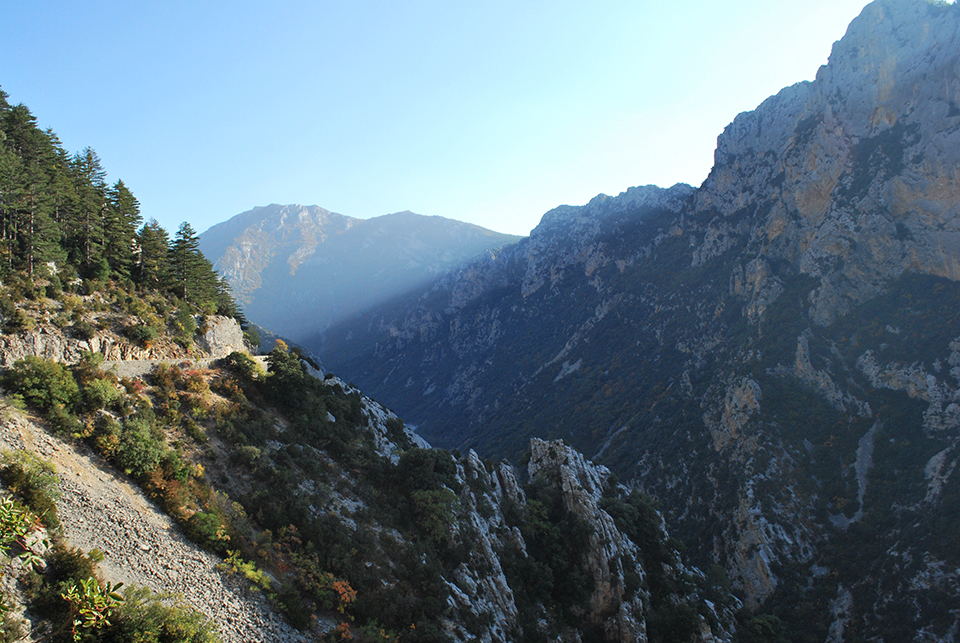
[[10, 188], [122, 218], [87, 225], [30, 234], [153, 249], [193, 278]]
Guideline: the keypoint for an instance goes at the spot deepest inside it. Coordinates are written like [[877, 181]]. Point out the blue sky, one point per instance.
[[489, 112]]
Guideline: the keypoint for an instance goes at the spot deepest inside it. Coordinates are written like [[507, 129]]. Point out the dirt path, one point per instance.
[[142, 546]]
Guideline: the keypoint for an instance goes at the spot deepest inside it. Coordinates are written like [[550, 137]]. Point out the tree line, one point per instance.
[[57, 207]]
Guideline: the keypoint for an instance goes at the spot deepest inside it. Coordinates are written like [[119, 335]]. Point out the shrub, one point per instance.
[[244, 366], [100, 394], [65, 566], [207, 529], [147, 617], [83, 330], [433, 510], [235, 564], [193, 381], [63, 421], [34, 480], [142, 334], [185, 326], [54, 289], [138, 451], [43, 383], [252, 336], [19, 321]]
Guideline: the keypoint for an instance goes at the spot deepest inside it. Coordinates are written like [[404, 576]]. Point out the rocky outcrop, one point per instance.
[[222, 337], [849, 171], [481, 589], [50, 342], [582, 485]]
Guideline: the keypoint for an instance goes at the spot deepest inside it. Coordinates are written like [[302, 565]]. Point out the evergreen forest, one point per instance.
[[60, 220]]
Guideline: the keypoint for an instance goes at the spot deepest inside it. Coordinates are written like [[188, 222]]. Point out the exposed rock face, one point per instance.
[[582, 486], [482, 587], [223, 336], [299, 268], [730, 348], [49, 342], [244, 248], [855, 174]]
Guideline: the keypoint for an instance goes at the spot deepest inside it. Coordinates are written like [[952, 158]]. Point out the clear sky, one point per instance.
[[490, 112]]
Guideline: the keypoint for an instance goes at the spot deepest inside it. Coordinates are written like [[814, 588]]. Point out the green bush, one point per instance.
[[63, 422], [83, 330], [252, 336], [185, 326], [54, 289], [7, 308], [65, 565], [100, 394], [244, 366], [433, 511], [207, 529], [142, 334], [43, 384], [145, 617], [35, 481], [138, 452]]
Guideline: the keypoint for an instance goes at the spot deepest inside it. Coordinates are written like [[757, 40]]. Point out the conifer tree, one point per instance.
[[153, 245], [29, 233], [121, 220], [87, 229], [192, 278]]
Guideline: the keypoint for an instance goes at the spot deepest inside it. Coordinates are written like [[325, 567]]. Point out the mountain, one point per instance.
[[298, 269], [144, 451], [774, 356]]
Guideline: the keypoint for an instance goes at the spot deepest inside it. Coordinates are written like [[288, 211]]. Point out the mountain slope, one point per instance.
[[353, 526], [773, 355], [298, 269]]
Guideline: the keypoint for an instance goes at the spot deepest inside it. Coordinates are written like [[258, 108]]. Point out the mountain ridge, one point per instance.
[[766, 356], [298, 269]]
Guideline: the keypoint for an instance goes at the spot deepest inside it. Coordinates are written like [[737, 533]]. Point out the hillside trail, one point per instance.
[[142, 546]]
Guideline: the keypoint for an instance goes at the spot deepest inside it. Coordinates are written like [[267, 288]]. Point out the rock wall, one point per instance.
[[223, 336]]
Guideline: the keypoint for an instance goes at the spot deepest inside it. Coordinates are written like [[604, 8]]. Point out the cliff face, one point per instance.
[[771, 355], [618, 572], [853, 178], [221, 337], [245, 247]]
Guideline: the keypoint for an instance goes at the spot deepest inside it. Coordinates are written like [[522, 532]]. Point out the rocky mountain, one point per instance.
[[298, 269], [774, 356]]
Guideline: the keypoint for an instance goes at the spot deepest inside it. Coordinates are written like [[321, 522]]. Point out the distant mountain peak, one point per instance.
[[299, 268]]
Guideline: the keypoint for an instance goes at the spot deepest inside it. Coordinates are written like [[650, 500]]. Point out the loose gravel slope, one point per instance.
[[142, 545]]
